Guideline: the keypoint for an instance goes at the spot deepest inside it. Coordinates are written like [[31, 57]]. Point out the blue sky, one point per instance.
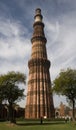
[[16, 21]]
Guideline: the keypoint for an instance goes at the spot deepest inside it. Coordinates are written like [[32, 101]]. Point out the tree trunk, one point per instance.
[[73, 111], [11, 114], [0, 111]]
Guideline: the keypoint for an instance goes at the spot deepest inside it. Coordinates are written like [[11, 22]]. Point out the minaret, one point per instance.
[[39, 101]]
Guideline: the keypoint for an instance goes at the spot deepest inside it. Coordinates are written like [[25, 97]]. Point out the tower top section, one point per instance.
[[38, 17], [38, 34]]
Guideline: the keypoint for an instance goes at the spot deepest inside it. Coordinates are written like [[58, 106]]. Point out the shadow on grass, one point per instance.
[[39, 123]]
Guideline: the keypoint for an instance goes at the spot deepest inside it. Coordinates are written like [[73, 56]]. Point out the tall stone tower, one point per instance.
[[39, 101]]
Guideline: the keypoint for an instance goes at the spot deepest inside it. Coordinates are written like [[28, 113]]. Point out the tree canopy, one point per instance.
[[65, 84], [10, 90]]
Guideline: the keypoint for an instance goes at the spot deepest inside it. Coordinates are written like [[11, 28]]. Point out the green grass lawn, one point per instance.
[[37, 126]]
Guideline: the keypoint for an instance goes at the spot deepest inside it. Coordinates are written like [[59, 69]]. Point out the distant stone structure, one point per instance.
[[63, 111], [39, 101], [4, 112]]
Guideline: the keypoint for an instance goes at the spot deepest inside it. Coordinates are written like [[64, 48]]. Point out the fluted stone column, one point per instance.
[[39, 96]]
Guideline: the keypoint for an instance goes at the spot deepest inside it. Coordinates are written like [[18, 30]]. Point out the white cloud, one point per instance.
[[61, 44], [14, 47], [11, 28], [58, 99], [52, 31]]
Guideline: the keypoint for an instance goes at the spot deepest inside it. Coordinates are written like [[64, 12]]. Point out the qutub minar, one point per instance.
[[39, 101]]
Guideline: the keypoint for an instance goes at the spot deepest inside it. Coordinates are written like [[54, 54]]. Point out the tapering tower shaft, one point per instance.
[[39, 96]]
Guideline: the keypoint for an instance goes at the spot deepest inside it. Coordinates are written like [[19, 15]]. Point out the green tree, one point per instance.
[[65, 84], [10, 90]]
